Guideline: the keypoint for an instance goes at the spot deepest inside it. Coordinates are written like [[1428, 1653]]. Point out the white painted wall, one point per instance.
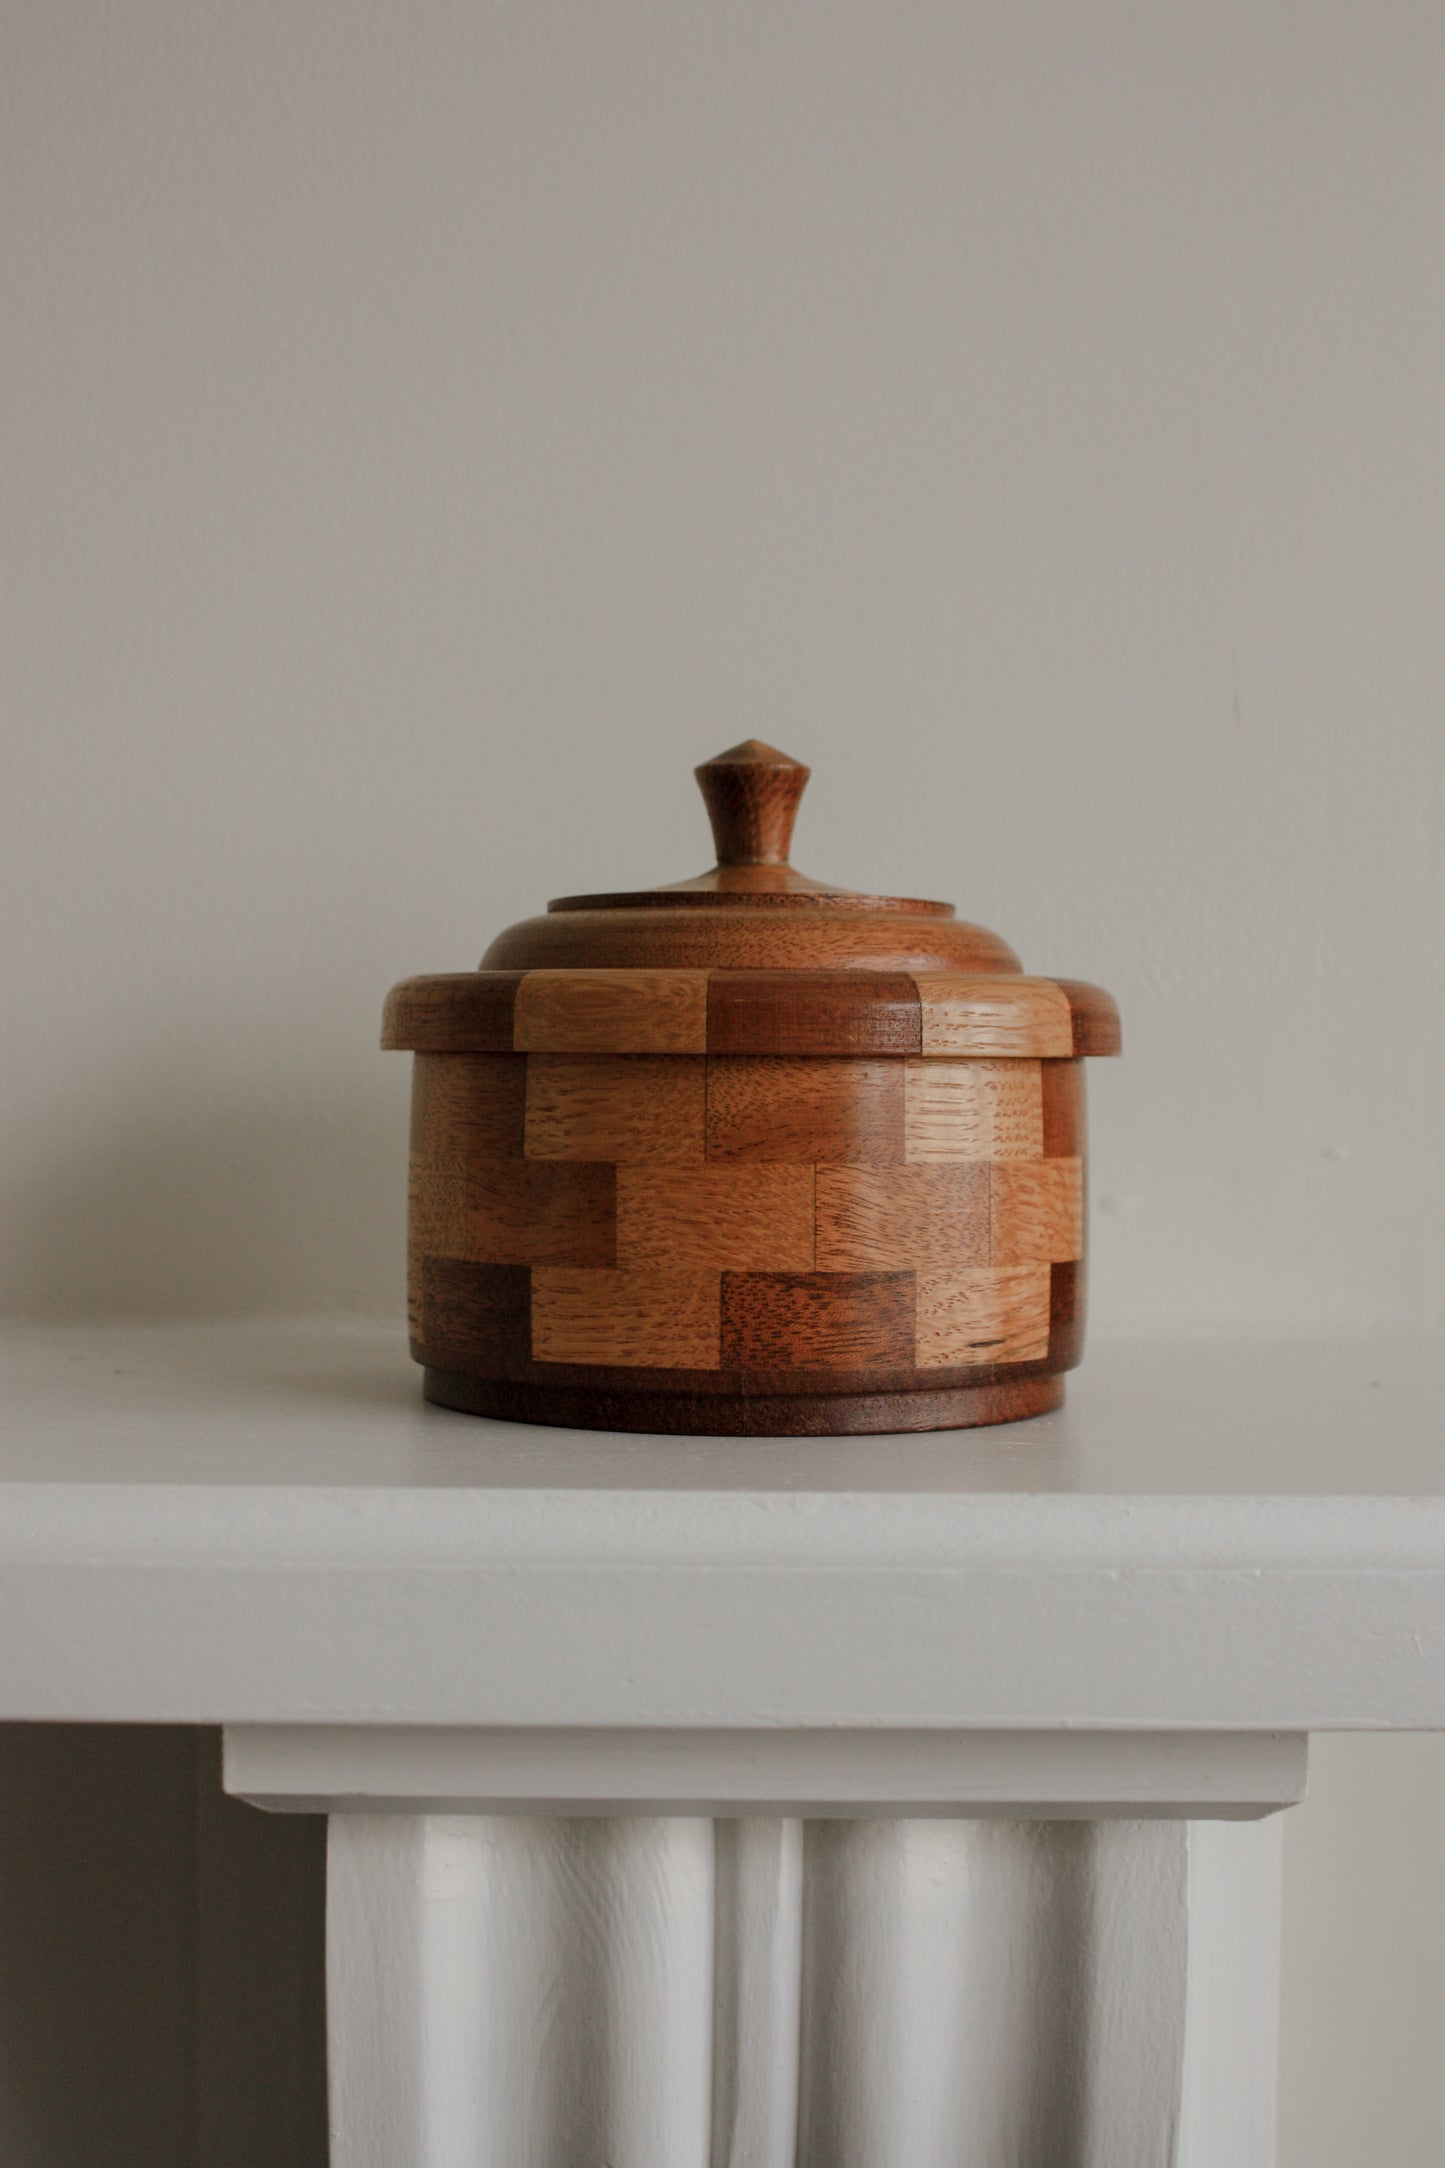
[[429, 429]]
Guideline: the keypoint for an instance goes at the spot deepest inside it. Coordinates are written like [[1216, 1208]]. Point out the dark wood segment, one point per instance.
[[751, 793], [729, 1415], [892, 1219], [1065, 1129], [1066, 1315], [540, 1212], [804, 932], [466, 1106], [817, 1320], [783, 1107], [812, 1013], [476, 1316], [1095, 1018], [631, 1108], [456, 1012], [435, 1224]]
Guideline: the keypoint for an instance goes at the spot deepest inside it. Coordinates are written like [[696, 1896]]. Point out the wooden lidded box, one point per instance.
[[748, 1154]]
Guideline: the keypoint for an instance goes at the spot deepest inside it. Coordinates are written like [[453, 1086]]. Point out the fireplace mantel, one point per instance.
[[751, 1802]]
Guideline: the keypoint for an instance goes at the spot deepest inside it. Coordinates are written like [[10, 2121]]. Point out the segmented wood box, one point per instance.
[[748, 1154]]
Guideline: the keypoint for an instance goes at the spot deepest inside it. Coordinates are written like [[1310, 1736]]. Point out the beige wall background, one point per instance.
[[429, 429]]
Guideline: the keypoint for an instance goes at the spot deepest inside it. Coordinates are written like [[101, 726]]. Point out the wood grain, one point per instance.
[[467, 1104], [436, 1225], [812, 1013], [930, 1218], [982, 1014], [1036, 1211], [746, 1414], [540, 1212], [996, 1313], [452, 1012], [631, 1108], [476, 1316], [804, 932], [611, 1012], [973, 1110], [751, 793], [1066, 1315], [817, 1320], [644, 1319], [733, 1218], [1095, 1017], [786, 1108], [1065, 1128]]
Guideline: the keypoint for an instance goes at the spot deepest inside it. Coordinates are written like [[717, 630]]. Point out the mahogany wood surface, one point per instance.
[[788, 1108], [752, 1217], [813, 1013], [635, 1109], [748, 1153], [647, 1223], [794, 1012], [742, 1415], [483, 1319], [818, 1321], [751, 793], [974, 1109]]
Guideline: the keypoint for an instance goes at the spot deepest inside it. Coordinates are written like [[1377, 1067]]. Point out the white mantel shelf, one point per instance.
[[886, 1802], [264, 1525]]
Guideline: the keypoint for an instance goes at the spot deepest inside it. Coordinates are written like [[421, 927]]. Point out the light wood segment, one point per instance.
[[933, 1218], [622, 1107], [611, 1012], [788, 1108], [435, 1224], [1065, 1127], [539, 1212], [467, 1104], [651, 1320], [817, 1320], [737, 1218], [1036, 1213], [993, 1014], [996, 1313], [973, 1110]]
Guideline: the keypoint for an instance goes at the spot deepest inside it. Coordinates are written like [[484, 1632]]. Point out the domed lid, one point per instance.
[[752, 911], [750, 958]]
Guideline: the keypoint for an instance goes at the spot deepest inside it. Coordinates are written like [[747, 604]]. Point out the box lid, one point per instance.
[[751, 956]]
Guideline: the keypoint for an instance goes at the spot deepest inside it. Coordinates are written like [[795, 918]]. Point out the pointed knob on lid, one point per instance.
[[751, 793]]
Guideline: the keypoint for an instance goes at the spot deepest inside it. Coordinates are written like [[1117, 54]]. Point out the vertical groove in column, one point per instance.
[[506, 1991], [756, 1993], [1009, 1994]]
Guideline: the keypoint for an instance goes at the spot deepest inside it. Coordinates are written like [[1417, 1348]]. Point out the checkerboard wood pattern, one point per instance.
[[727, 1222]]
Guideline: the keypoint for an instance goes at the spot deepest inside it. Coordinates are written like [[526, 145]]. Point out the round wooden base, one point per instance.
[[741, 1415]]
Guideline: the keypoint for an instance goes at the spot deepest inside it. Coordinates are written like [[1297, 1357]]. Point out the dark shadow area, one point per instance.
[[162, 1965]]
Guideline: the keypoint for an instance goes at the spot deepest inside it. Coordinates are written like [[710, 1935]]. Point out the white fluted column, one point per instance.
[[673, 1993], [513, 1994]]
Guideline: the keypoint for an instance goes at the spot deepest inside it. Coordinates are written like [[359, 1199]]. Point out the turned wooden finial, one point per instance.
[[751, 793]]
